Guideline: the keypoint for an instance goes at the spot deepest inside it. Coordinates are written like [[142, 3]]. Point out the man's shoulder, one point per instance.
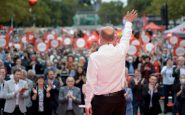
[[22, 81], [8, 82], [76, 88], [94, 54]]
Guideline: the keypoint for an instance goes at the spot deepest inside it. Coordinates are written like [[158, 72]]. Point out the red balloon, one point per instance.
[[32, 2]]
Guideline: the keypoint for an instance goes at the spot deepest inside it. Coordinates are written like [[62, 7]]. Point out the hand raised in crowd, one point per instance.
[[49, 88], [50, 83], [131, 16], [156, 87], [34, 90], [142, 82]]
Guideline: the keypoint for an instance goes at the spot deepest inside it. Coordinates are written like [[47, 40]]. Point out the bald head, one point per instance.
[[107, 33]]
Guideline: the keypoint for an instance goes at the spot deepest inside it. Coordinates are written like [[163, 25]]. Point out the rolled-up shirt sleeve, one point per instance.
[[126, 36], [91, 82]]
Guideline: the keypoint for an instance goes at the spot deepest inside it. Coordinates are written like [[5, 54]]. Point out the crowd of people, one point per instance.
[[53, 83]]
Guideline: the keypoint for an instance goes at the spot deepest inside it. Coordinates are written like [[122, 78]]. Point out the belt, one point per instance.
[[111, 94]]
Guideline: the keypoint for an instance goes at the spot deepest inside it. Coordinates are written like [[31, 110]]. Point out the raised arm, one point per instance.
[[127, 31]]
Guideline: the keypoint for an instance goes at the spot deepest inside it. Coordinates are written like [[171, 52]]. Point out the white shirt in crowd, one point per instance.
[[182, 70], [1, 90], [167, 72], [17, 95], [105, 72]]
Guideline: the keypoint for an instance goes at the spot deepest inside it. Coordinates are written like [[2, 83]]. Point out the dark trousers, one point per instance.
[[16, 112], [150, 111], [137, 105], [29, 111], [69, 112], [167, 90], [1, 111], [109, 104]]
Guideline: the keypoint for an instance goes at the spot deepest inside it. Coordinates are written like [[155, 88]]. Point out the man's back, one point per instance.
[[110, 65]]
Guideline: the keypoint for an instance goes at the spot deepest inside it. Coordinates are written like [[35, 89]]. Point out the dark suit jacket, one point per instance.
[[64, 101], [146, 100], [137, 90], [147, 73], [181, 102], [47, 107], [38, 68], [54, 94], [8, 66]]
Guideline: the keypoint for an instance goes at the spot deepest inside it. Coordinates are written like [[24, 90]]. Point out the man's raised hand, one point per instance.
[[131, 16]]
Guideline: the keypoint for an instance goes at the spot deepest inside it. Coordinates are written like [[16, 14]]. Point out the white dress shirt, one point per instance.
[[1, 90], [105, 72], [17, 95]]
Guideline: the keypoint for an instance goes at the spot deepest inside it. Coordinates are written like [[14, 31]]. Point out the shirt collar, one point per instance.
[[14, 81], [105, 46]]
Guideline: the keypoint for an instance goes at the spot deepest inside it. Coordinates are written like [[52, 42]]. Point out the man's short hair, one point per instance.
[[17, 70], [107, 33]]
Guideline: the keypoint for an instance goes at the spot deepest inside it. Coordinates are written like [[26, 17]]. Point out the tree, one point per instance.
[[175, 9], [139, 5], [111, 12]]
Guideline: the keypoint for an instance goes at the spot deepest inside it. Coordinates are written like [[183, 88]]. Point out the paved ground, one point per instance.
[[161, 102]]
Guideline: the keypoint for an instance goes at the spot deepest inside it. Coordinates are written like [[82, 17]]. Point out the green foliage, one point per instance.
[[175, 8], [111, 12]]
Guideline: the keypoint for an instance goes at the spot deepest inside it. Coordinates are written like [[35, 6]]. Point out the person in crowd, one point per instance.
[[132, 64], [3, 72], [2, 54], [136, 85], [49, 66], [35, 66], [151, 97], [157, 64], [69, 99], [30, 86], [18, 64], [55, 84], [31, 75], [15, 93], [106, 72], [168, 80], [41, 98], [177, 72], [147, 68], [80, 80], [25, 59], [8, 63], [71, 65], [2, 82], [129, 98], [181, 96], [1, 63]]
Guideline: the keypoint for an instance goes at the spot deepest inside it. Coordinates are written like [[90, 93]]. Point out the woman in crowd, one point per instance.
[[168, 81], [80, 80], [41, 98], [151, 97], [136, 85]]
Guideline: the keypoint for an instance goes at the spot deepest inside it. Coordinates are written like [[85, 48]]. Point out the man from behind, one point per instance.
[[106, 73]]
